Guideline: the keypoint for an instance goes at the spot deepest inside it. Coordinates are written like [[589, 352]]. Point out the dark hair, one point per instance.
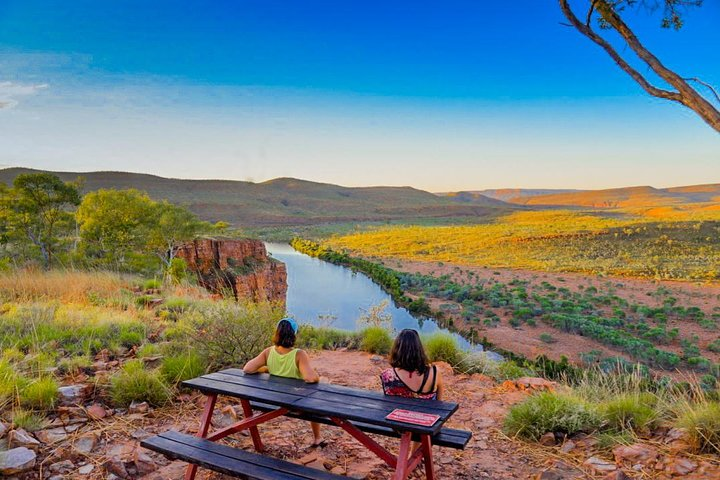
[[408, 353], [284, 335]]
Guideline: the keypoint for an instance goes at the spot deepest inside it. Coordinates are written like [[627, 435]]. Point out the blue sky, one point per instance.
[[439, 95]]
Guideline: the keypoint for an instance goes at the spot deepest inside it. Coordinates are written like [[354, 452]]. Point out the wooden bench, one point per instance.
[[230, 461], [447, 437]]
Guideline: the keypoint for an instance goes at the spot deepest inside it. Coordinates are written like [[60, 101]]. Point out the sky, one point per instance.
[[443, 96]]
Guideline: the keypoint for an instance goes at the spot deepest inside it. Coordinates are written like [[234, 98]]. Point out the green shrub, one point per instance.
[[702, 423], [611, 439], [40, 394], [148, 350], [714, 346], [27, 420], [178, 368], [228, 332], [551, 412], [509, 370], [130, 338], [134, 383], [547, 338], [177, 271], [317, 338], [631, 412], [478, 362], [376, 340], [11, 383], [152, 284], [442, 347], [144, 300], [74, 365]]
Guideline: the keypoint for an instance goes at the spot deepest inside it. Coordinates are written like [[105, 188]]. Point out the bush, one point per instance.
[[311, 337], [376, 340], [74, 365], [228, 333], [442, 347], [547, 338], [27, 420], [40, 394], [550, 412], [478, 362], [148, 350], [177, 271], [702, 423], [631, 412], [135, 383], [509, 370], [152, 284], [178, 368]]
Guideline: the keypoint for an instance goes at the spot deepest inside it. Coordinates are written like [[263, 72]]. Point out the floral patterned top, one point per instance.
[[393, 385]]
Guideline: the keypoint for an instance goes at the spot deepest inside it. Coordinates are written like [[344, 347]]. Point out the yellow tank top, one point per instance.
[[283, 365]]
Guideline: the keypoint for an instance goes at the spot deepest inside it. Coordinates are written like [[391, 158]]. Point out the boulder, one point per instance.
[[16, 460]]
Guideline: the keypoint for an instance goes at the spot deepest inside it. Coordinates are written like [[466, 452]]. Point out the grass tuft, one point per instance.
[[134, 383], [551, 412], [376, 340]]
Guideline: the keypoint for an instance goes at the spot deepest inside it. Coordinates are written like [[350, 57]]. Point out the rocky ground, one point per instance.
[[89, 440]]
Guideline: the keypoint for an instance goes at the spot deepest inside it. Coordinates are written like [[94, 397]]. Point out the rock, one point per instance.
[[318, 464], [635, 453], [680, 466], [72, 394], [598, 465], [52, 436], [376, 358], [143, 463], [96, 412], [138, 407], [56, 477], [547, 440], [175, 469], [568, 446], [534, 383], [103, 356], [3, 429], [86, 443], [550, 475], [62, 467], [617, 475], [115, 466], [21, 438], [16, 460], [86, 469], [309, 458], [338, 470], [242, 266]]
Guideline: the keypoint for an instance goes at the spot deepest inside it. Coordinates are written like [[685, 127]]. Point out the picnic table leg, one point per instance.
[[205, 421], [401, 471], [254, 432], [426, 446]]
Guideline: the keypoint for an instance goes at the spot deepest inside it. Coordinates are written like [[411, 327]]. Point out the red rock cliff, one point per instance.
[[241, 266]]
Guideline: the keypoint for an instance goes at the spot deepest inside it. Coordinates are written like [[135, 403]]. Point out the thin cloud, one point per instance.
[[11, 93]]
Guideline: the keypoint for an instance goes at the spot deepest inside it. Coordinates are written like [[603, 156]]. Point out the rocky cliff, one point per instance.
[[238, 266]]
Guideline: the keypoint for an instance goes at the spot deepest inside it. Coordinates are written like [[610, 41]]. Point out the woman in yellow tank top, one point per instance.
[[284, 360]]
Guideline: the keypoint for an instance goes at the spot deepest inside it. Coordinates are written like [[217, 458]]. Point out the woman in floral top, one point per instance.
[[411, 374]]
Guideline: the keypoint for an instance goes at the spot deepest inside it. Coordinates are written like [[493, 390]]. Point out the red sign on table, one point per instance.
[[416, 418]]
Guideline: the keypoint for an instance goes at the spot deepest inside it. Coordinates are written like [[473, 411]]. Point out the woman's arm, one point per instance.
[[440, 388], [257, 363], [306, 370]]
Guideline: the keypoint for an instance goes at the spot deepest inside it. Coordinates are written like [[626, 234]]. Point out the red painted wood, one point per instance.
[[401, 472], [254, 432], [251, 422], [368, 442], [205, 421], [426, 446]]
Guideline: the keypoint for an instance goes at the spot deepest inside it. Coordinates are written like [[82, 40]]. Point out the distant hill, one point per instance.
[[283, 201], [515, 194], [629, 197]]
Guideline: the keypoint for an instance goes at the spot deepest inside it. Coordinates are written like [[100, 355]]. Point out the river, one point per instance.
[[321, 293]]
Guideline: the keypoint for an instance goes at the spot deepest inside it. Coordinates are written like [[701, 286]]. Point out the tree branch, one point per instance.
[[706, 85]]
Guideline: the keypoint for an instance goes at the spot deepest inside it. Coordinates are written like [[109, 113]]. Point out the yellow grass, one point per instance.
[[66, 286]]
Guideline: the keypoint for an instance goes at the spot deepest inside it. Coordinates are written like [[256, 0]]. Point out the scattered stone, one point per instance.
[[174, 469], [16, 460], [140, 434], [72, 394], [534, 383], [52, 436], [57, 477], [86, 443], [338, 470], [548, 439], [62, 467], [681, 466], [96, 412], [635, 453], [143, 463], [139, 407], [21, 438], [550, 475], [598, 465], [377, 359], [3, 429], [103, 355], [309, 458], [617, 475], [318, 464], [568, 446], [86, 469], [115, 466]]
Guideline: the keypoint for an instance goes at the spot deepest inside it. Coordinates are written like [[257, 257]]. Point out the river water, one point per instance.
[[319, 291]]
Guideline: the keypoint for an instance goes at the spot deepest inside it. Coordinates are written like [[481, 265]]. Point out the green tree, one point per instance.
[[608, 15], [114, 226], [171, 226], [37, 211]]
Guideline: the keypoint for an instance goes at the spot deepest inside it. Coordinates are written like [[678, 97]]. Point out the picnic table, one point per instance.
[[356, 411]]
